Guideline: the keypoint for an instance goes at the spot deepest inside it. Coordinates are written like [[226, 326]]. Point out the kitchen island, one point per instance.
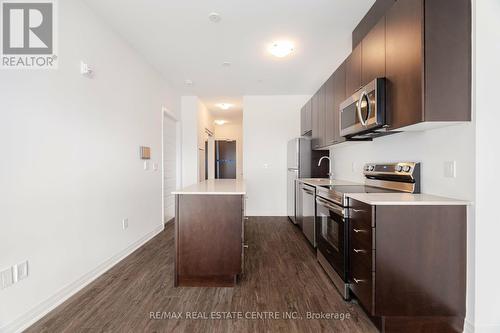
[[209, 233]]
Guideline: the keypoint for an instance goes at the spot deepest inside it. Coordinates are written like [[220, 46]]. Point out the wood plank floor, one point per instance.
[[282, 275]]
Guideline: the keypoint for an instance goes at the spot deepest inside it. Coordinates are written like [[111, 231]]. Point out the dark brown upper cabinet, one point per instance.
[[329, 111], [428, 62], [353, 71], [322, 115], [319, 118], [306, 119], [339, 95], [372, 17], [373, 53], [335, 94], [315, 139]]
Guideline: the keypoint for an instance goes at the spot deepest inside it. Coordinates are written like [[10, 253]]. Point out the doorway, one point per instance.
[[170, 162], [225, 159]]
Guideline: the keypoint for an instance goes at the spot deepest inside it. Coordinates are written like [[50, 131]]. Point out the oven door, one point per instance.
[[331, 235]]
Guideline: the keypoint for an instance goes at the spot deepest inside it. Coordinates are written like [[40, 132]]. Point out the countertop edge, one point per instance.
[[431, 201], [207, 193]]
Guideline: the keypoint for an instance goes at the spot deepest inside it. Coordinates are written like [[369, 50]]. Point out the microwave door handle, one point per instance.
[[360, 116]]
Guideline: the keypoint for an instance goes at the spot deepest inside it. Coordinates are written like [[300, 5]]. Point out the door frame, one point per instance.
[[166, 113]]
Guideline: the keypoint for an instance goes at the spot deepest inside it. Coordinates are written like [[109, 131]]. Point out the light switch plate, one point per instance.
[[450, 169], [155, 166], [146, 165], [22, 271], [6, 278]]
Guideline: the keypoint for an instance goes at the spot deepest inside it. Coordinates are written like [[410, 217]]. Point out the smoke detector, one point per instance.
[[214, 17]]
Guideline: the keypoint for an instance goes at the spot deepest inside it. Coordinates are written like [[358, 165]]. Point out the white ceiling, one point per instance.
[[178, 39]]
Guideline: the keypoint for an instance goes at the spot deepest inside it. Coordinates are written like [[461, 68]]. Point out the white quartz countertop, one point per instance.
[[392, 199], [325, 181], [215, 186]]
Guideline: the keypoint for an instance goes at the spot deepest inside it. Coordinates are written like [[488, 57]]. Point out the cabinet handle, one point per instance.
[[359, 251], [358, 230], [358, 281], [358, 210], [246, 218], [245, 246]]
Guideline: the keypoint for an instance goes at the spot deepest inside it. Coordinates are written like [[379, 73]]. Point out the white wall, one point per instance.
[[189, 134], [432, 148], [70, 168], [195, 119], [268, 123], [487, 72], [233, 131]]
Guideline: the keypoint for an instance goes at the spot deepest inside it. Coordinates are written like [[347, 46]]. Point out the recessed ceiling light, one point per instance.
[[214, 17], [281, 48], [188, 83], [224, 106], [220, 122], [226, 64]]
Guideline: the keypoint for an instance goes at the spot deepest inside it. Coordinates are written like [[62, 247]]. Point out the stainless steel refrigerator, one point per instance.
[[299, 166]]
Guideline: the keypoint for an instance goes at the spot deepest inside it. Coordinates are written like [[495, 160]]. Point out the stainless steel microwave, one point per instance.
[[363, 115]]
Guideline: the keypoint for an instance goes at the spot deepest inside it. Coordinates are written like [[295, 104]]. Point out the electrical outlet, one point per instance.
[[155, 166], [22, 271], [6, 278], [354, 167], [125, 224], [450, 169]]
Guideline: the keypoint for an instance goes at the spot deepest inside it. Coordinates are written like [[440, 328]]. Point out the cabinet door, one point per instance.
[[303, 120], [339, 95], [308, 116], [315, 121], [373, 53], [404, 63], [353, 71], [322, 115], [329, 111]]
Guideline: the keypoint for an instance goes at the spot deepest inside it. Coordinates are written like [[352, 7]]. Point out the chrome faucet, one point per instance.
[[330, 173]]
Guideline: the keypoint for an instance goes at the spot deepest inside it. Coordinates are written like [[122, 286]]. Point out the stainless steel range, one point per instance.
[[332, 213]]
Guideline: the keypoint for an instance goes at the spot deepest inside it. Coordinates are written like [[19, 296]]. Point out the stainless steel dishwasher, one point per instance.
[[307, 194]]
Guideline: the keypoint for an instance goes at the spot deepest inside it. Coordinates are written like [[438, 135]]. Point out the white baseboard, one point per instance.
[[471, 328], [468, 327], [29, 318]]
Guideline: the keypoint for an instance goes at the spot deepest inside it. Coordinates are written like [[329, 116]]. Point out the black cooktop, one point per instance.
[[357, 189]]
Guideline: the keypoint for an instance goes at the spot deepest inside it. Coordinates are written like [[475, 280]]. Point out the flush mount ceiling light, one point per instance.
[[224, 106], [214, 17], [281, 48], [188, 82], [226, 64], [220, 122]]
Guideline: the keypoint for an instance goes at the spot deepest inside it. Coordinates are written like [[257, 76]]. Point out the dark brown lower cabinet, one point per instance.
[[208, 240], [408, 266]]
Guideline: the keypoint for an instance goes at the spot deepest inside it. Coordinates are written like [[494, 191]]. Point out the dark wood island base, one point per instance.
[[208, 240]]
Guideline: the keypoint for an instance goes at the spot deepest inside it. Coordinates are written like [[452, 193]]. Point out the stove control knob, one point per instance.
[[407, 168], [370, 168], [399, 168]]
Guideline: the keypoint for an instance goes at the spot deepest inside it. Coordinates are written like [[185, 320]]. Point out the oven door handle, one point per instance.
[[331, 206], [308, 191]]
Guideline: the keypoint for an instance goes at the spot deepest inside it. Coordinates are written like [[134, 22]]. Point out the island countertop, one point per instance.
[[215, 186]]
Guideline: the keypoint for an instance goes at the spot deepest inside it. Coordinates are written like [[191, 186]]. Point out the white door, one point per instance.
[[169, 166]]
